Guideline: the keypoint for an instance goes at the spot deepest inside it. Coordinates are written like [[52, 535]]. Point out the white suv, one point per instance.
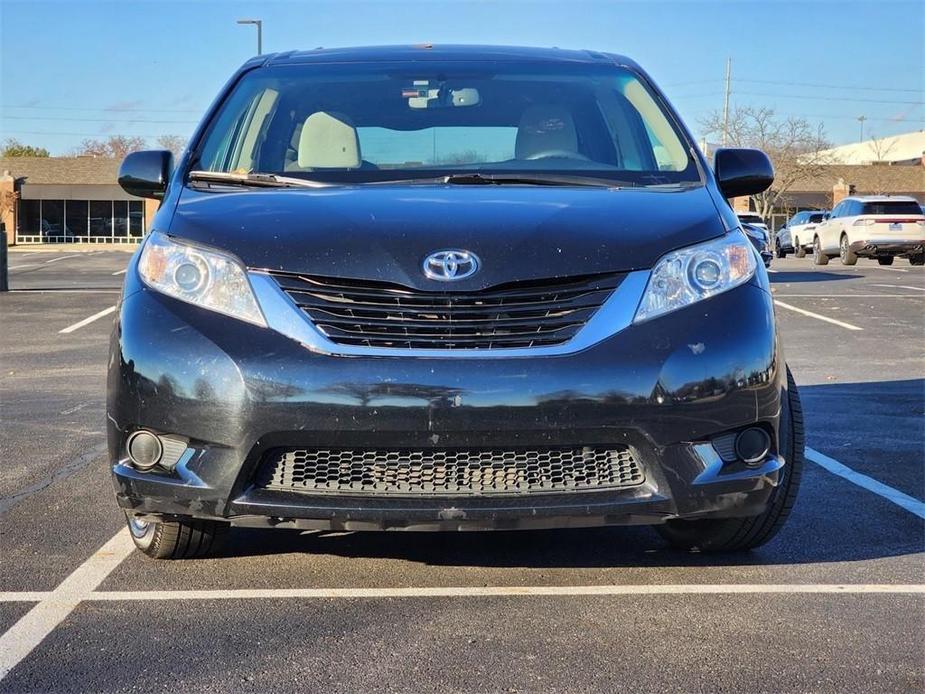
[[796, 236], [871, 226]]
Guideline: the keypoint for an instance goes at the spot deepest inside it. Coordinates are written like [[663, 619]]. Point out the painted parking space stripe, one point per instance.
[[803, 311], [119, 272], [477, 591], [911, 504], [86, 321], [63, 257], [901, 286], [20, 639]]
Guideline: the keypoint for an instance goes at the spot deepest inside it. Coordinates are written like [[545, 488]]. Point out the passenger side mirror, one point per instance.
[[145, 174], [742, 171]]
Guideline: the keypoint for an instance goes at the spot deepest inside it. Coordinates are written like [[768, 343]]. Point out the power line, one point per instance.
[[832, 86], [107, 110], [129, 119], [96, 134], [830, 98]]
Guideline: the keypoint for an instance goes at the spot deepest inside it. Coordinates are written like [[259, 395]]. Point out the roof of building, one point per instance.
[[877, 178], [895, 148], [62, 170], [426, 51]]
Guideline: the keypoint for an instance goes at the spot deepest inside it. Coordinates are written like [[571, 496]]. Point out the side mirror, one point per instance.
[[145, 174], [742, 171]]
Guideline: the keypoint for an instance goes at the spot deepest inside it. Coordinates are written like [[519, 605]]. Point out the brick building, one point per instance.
[[68, 200]]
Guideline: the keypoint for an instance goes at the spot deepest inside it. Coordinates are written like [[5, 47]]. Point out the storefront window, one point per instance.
[[136, 217], [120, 217], [71, 220], [100, 218], [52, 218], [75, 218], [29, 217]]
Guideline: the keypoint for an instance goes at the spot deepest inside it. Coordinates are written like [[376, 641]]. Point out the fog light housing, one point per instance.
[[144, 449], [752, 444]]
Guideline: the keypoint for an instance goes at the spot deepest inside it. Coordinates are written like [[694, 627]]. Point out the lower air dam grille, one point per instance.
[[448, 472]]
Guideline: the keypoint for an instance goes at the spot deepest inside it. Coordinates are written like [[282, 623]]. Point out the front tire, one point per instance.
[[780, 251], [176, 539], [741, 534], [848, 257], [819, 258], [798, 249]]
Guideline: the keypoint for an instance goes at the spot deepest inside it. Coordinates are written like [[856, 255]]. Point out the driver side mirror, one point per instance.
[[742, 171], [145, 174]]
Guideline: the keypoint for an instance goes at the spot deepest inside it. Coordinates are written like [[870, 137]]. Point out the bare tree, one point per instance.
[[879, 174], [793, 144], [115, 146], [173, 143]]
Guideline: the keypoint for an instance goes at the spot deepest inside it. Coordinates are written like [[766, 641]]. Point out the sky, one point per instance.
[[77, 69]]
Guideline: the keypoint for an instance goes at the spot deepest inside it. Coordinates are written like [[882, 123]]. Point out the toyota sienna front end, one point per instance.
[[448, 288]]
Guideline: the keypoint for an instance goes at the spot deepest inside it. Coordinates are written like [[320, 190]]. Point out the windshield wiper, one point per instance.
[[532, 179], [499, 179], [257, 180]]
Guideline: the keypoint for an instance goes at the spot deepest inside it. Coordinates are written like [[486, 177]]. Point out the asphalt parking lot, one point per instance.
[[835, 603]]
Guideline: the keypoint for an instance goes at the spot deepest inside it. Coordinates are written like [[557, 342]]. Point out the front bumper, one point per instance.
[[236, 391]]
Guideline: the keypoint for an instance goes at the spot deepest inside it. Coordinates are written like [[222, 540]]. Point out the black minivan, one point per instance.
[[448, 288]]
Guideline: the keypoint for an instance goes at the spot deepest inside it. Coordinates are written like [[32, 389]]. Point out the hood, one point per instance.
[[384, 232]]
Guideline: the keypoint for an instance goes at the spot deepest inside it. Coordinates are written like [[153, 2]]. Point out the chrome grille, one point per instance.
[[448, 472], [518, 314]]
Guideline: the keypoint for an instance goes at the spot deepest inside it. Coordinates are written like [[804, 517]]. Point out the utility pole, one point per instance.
[[259, 24], [861, 120], [726, 101]]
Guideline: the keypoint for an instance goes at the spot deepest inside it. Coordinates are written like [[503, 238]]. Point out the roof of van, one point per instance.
[[444, 52]]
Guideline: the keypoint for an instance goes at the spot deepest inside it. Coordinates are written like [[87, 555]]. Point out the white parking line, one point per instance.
[[839, 323], [473, 591], [850, 296], [892, 269], [87, 321], [900, 286], [63, 257], [18, 267], [118, 272], [37, 623], [493, 591], [895, 496]]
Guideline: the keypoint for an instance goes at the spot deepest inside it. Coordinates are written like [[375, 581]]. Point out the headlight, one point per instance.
[[206, 278], [683, 277]]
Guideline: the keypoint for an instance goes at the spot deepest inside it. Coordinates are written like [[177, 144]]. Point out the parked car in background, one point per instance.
[[761, 240], [753, 219], [796, 236], [332, 329], [871, 226]]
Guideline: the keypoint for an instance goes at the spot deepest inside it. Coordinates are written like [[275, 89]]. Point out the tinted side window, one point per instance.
[[836, 211], [815, 218]]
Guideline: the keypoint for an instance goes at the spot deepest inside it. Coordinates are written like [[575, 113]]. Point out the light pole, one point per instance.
[[861, 120], [259, 24]]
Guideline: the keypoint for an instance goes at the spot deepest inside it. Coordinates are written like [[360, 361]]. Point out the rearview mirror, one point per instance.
[[742, 171], [145, 174]]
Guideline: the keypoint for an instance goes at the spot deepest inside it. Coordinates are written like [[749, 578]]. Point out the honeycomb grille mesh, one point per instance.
[[448, 472]]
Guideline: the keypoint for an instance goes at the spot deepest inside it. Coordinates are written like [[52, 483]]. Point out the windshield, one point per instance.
[[382, 121]]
